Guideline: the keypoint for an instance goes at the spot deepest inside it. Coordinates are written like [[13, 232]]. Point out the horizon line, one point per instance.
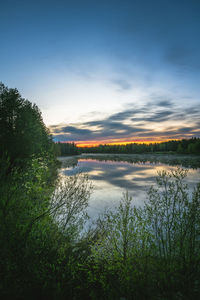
[[88, 144]]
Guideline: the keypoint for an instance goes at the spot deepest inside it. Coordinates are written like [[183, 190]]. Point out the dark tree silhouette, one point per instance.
[[22, 130]]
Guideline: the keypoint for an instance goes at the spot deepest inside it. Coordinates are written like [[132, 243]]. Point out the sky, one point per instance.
[[106, 71]]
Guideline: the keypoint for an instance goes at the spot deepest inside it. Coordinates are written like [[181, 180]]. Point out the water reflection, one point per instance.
[[113, 177]]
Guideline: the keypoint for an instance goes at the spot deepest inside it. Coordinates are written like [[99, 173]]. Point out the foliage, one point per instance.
[[189, 146], [36, 253], [69, 202], [150, 252], [64, 149], [173, 216], [40, 228], [22, 131]]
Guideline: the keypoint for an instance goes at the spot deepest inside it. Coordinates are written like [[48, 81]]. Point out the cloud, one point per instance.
[[183, 57], [155, 117], [121, 116], [74, 130], [164, 103], [159, 120], [122, 84]]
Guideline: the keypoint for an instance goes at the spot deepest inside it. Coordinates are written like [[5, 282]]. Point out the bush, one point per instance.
[[151, 252]]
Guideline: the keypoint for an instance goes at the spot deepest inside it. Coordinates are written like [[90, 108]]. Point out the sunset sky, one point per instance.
[[106, 71]]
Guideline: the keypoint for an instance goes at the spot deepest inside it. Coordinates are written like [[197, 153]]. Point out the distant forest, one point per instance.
[[189, 146]]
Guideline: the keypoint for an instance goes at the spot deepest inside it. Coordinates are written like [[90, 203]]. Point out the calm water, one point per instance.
[[114, 174]]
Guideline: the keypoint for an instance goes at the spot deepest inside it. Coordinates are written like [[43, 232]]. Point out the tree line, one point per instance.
[[185, 146], [65, 149], [189, 146]]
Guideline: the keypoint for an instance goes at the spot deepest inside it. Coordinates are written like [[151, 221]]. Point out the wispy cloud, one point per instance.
[[122, 84], [183, 57], [153, 121]]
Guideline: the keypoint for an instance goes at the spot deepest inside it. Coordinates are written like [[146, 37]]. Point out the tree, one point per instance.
[[40, 231], [22, 130], [173, 216]]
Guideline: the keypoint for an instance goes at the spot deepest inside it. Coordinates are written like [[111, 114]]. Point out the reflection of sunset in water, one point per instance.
[[111, 178]]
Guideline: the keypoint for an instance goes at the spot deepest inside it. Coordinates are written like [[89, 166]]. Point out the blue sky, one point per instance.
[[86, 61]]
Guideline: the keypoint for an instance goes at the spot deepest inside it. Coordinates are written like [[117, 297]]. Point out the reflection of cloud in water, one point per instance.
[[96, 173], [121, 168], [112, 178]]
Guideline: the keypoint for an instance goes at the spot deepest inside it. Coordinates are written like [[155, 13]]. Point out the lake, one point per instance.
[[113, 174]]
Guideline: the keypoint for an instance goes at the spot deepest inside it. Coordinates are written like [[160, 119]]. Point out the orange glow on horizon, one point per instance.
[[87, 144]]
